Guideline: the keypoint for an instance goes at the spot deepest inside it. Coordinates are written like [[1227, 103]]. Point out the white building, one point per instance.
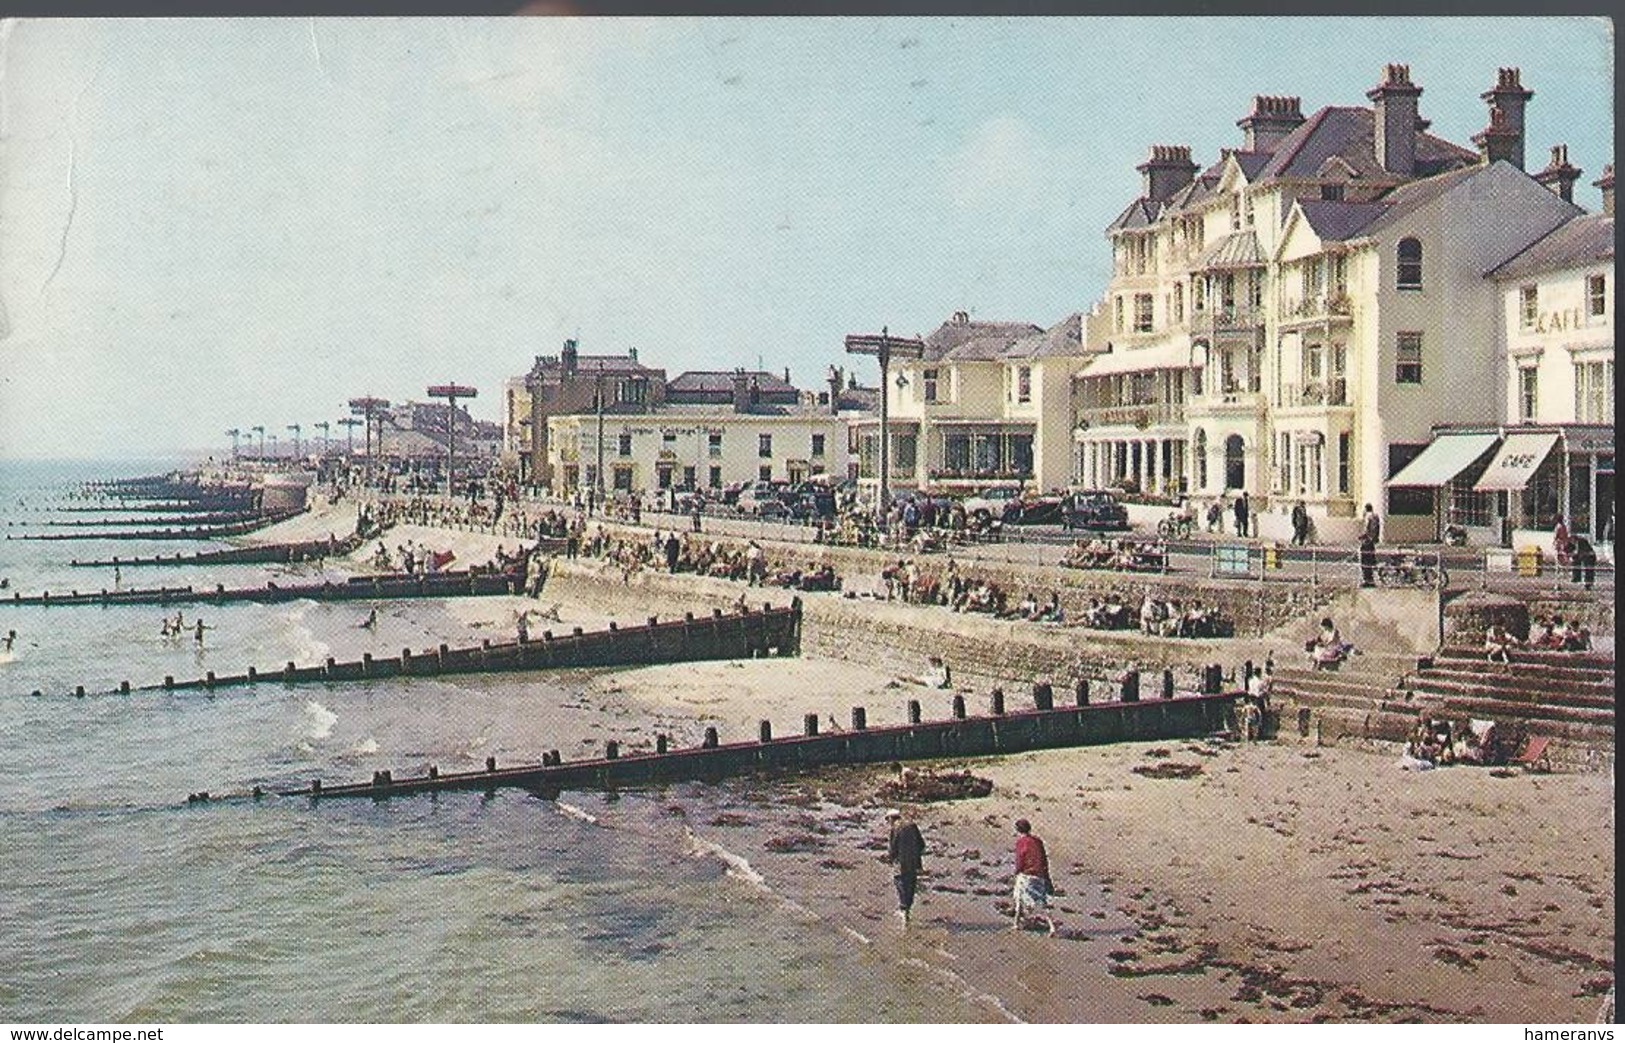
[[1551, 452], [1293, 321], [989, 403]]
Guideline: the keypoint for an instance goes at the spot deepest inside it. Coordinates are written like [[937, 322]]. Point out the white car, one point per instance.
[[990, 501]]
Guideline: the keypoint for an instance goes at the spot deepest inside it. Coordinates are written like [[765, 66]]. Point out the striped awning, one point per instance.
[[1445, 457]]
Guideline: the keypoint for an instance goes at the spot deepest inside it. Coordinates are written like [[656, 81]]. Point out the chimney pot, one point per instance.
[[1606, 183]]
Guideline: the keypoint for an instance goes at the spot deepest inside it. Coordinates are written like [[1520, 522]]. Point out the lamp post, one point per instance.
[[235, 435], [273, 444], [367, 407], [349, 424], [598, 407], [259, 429], [324, 427], [295, 428], [451, 393], [884, 347]]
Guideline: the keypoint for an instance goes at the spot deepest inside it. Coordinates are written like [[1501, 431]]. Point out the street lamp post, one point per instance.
[[295, 428], [259, 429], [235, 435], [884, 347], [451, 393], [367, 407], [324, 427], [273, 444], [598, 407], [349, 424]]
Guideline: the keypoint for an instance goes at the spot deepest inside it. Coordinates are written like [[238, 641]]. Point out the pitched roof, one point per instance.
[[1581, 241], [1348, 133], [1252, 162], [722, 380], [619, 364], [1337, 220], [1141, 213], [1403, 199], [1063, 338], [970, 341], [1236, 250]]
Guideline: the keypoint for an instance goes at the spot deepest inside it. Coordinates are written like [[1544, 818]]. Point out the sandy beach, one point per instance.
[[1277, 882], [1260, 882]]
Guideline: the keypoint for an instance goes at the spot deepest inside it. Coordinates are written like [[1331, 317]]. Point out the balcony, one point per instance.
[[1140, 416], [1315, 394], [1318, 308], [1218, 318]]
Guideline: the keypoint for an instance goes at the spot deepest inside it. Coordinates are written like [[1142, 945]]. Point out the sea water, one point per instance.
[[121, 901]]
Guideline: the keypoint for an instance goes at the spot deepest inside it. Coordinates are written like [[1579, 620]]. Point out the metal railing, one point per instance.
[[1137, 415], [1330, 392]]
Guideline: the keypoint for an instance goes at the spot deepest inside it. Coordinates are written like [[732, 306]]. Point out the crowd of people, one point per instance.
[[1122, 555], [1157, 617], [1549, 634], [1437, 743]]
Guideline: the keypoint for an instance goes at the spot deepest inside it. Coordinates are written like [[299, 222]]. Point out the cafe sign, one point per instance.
[[1559, 321]]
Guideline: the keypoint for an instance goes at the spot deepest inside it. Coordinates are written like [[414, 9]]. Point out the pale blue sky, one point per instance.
[[271, 216]]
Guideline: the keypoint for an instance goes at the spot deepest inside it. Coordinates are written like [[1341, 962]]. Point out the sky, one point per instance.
[[238, 222]]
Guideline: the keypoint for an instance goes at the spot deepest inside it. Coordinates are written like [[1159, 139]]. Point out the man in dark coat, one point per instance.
[[674, 552], [1368, 560], [903, 851], [1583, 559], [1243, 509], [1300, 524]]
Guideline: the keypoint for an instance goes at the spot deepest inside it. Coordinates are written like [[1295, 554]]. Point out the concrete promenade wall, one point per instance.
[[899, 638]]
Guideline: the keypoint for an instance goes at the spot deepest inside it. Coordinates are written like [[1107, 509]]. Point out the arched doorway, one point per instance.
[[1199, 458], [1235, 463]]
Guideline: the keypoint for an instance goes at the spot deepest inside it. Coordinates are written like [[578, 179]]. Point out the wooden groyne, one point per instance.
[[746, 634], [1046, 726], [198, 519], [265, 554], [201, 532], [359, 588]]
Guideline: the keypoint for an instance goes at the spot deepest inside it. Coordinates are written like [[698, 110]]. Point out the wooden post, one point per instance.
[[959, 708], [490, 764], [809, 724], [710, 740], [1167, 684], [860, 719], [1131, 687], [612, 750], [914, 711], [1080, 691], [997, 700], [765, 730], [1043, 695], [661, 743]]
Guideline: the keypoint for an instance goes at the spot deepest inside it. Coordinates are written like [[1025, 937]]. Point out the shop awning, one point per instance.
[[1167, 355], [1517, 461], [1445, 457]]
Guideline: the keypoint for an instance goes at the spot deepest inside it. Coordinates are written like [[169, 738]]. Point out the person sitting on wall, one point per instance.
[[1327, 649], [1547, 636], [1575, 637], [1498, 644]]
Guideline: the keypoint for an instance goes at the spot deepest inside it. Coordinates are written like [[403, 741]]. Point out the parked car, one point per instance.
[[1093, 509], [811, 501], [1033, 509], [990, 503], [762, 500]]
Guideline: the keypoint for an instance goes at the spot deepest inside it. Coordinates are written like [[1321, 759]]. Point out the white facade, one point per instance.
[[694, 448]]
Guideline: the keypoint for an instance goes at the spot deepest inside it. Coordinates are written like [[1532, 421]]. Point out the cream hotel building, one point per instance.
[[1299, 319]]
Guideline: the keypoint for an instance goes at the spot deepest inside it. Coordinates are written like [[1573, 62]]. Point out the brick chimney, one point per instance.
[[1393, 134], [632, 353], [742, 391], [1560, 175], [1508, 97], [1168, 170], [1499, 141], [832, 377], [568, 357], [1606, 183], [1271, 120], [961, 318]]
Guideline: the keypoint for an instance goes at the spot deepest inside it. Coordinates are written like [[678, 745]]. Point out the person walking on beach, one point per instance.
[[1300, 524], [1033, 885], [9, 640], [903, 851]]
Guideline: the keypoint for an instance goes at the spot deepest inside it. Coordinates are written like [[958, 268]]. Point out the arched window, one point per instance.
[[1199, 458], [1409, 264], [1235, 463]]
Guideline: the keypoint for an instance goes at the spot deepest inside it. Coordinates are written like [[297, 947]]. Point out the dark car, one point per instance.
[[811, 502], [1034, 509], [1094, 509]]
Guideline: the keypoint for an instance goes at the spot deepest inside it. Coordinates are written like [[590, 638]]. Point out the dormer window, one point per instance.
[[1331, 193]]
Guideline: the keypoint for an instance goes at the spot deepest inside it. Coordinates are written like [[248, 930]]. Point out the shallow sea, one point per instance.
[[122, 902]]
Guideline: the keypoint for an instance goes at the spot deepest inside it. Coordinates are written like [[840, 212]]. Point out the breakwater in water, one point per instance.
[[745, 634], [997, 732], [198, 532], [357, 588], [264, 554]]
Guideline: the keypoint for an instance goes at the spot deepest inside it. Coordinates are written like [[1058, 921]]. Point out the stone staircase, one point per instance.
[[1567, 697]]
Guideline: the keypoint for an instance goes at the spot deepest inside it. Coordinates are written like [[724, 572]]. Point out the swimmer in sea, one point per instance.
[[198, 632], [371, 622], [9, 640]]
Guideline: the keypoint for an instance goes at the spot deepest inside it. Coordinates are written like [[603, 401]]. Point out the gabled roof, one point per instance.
[[1336, 221], [1348, 133], [1404, 199], [722, 381], [974, 341], [1251, 163], [1141, 213], [1236, 250], [1062, 339], [1573, 244]]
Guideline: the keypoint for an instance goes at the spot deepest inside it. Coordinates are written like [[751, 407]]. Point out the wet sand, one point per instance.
[[1279, 882]]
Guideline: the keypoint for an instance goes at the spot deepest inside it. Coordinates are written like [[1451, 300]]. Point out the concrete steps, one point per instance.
[[1448, 684]]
